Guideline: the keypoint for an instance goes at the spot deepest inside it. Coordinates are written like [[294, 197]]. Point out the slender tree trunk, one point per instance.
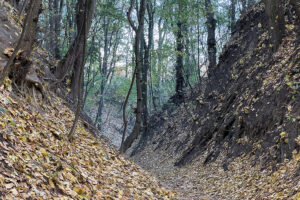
[[146, 65], [73, 58], [86, 8], [232, 12], [244, 5], [138, 30], [57, 22], [103, 73], [51, 26], [198, 45], [179, 60], [211, 38]]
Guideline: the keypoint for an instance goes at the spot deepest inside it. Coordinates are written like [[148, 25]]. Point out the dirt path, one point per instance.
[[245, 177]]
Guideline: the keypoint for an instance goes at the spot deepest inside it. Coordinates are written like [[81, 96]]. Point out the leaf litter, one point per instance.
[[38, 161]]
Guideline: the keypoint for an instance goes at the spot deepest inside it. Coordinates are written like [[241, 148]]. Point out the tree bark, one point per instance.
[[27, 39], [146, 65], [73, 58], [232, 12], [138, 62], [244, 5], [98, 120], [85, 23], [211, 38], [179, 58]]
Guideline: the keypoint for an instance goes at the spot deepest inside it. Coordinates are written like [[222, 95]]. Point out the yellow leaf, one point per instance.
[[259, 25], [286, 140], [7, 83], [1, 179], [51, 183], [71, 177], [283, 134], [22, 138], [44, 152], [297, 196], [2, 125], [78, 190]]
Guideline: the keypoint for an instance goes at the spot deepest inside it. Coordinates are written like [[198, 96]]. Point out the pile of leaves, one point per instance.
[[38, 162]]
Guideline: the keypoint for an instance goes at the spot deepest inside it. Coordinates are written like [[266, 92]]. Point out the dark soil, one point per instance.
[[250, 105]]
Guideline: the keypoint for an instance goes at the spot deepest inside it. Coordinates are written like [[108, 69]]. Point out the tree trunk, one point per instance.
[[146, 66], [73, 58], [179, 59], [275, 16], [138, 33], [25, 43], [244, 5], [232, 12], [57, 21], [211, 38], [81, 68]]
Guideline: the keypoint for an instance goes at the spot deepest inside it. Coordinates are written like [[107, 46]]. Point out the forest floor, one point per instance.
[[245, 178], [39, 162]]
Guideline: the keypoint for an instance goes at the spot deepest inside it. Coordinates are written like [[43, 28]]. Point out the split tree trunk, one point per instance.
[[138, 66], [146, 66], [73, 58], [85, 22]]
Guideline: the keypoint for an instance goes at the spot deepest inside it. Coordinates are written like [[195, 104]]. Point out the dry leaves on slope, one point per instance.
[[37, 160]]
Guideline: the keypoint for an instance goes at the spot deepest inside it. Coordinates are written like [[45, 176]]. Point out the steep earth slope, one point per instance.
[[37, 161], [245, 120]]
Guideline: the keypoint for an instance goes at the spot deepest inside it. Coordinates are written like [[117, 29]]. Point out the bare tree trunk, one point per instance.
[[57, 21], [73, 58], [232, 12], [211, 38], [138, 32], [146, 65], [85, 23], [179, 58], [244, 5], [198, 45], [103, 74], [27, 38]]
